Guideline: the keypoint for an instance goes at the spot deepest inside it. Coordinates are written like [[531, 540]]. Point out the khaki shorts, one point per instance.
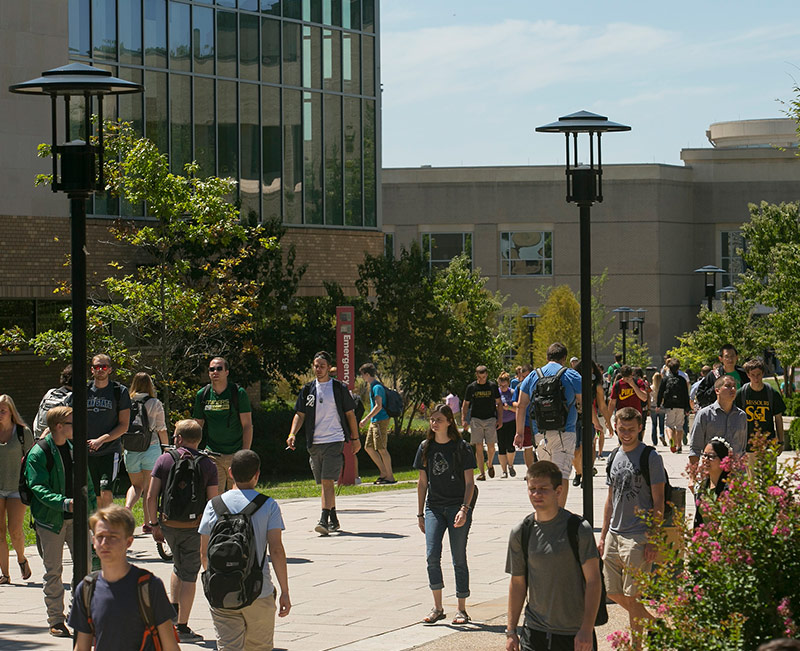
[[377, 435], [623, 558], [483, 431], [558, 447], [326, 460], [251, 628], [673, 418]]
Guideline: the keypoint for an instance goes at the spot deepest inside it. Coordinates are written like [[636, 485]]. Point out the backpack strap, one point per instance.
[[256, 503], [561, 372], [220, 508], [146, 613], [87, 590], [20, 435], [610, 462], [234, 403], [527, 525], [644, 463], [573, 523], [539, 373]]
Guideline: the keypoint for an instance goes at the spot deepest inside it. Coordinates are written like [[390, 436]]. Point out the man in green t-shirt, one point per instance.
[[225, 407], [612, 369]]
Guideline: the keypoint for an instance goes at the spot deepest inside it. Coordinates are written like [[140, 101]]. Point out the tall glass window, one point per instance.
[[292, 157], [270, 51], [732, 244], [312, 11], [226, 44], [368, 62], [180, 110], [292, 46], [370, 171], [332, 12], [104, 30], [311, 57], [155, 102], [312, 157], [271, 7], [443, 247], [351, 64], [180, 34], [271, 148], [248, 46], [79, 28], [130, 31], [155, 33], [352, 162], [526, 253], [227, 130], [205, 133], [203, 39], [333, 159], [332, 59], [368, 13], [251, 150], [351, 14]]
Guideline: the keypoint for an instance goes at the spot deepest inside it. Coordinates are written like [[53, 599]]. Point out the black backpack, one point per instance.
[[139, 435], [549, 406], [573, 524], [234, 575], [183, 497], [672, 393], [674, 497], [393, 403], [25, 492]]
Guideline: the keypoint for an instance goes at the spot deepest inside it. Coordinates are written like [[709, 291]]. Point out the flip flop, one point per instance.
[[4, 580], [460, 618], [434, 616], [25, 568]]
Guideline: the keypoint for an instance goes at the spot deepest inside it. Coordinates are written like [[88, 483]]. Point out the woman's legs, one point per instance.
[[458, 551], [140, 482], [435, 526], [16, 516], [3, 530]]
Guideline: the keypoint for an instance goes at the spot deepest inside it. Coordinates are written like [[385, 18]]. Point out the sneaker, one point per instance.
[[504, 475], [358, 481], [663, 441], [491, 472], [333, 523], [186, 634], [60, 630], [576, 481], [594, 472], [322, 528], [673, 449], [511, 471]]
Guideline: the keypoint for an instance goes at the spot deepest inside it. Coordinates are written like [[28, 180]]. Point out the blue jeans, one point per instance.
[[439, 519], [657, 422]]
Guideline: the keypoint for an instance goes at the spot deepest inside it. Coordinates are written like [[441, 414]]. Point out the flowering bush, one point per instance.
[[734, 582]]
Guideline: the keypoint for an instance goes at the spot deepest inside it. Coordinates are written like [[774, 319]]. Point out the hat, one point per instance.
[[573, 359]]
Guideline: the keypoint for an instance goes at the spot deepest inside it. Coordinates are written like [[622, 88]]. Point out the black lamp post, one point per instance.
[[624, 318], [710, 272], [80, 175], [584, 187], [639, 318], [530, 318]]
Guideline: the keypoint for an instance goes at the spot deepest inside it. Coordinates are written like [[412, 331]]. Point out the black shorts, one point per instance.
[[531, 640], [505, 437], [102, 470]]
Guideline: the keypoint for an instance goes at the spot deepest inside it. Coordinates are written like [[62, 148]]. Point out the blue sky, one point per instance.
[[466, 82]]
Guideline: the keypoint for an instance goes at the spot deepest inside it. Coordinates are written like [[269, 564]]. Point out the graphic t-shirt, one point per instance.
[[115, 611], [376, 391], [104, 414], [630, 492], [223, 423], [445, 480], [761, 408], [65, 451], [623, 393], [481, 399], [507, 398]]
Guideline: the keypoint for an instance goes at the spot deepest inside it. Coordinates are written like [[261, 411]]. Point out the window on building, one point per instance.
[[526, 253], [32, 315], [441, 248], [732, 244]]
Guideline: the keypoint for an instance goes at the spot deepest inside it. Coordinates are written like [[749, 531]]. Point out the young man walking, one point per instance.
[[729, 357], [113, 621], [54, 397], [762, 403], [554, 444], [563, 592], [721, 418], [109, 408], [182, 535], [326, 411], [625, 539], [628, 391], [673, 396], [49, 475], [253, 626], [378, 433], [225, 408], [482, 416]]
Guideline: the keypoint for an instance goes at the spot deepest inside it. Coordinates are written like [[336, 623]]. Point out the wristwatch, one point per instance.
[[154, 524], [511, 633]]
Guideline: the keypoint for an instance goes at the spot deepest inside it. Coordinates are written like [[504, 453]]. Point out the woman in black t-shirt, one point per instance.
[[714, 482], [444, 494]]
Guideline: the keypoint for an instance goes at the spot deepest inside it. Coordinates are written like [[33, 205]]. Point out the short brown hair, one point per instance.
[[629, 413], [755, 364], [244, 466], [57, 416], [368, 368], [545, 469], [503, 377], [189, 430], [114, 515], [721, 380], [556, 352]]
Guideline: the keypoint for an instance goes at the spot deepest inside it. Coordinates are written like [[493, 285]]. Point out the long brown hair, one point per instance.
[[452, 431]]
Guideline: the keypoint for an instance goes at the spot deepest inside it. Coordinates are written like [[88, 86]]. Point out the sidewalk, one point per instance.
[[363, 589]]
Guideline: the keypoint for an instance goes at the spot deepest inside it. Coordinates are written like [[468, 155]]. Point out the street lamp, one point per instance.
[[624, 318], [640, 316], [530, 318], [80, 175], [710, 272], [584, 187]]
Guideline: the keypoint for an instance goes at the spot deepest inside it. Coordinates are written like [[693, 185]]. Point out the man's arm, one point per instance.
[[640, 393], [607, 511], [123, 421], [277, 555], [779, 427], [465, 414], [522, 409], [204, 550], [591, 602], [152, 497], [166, 633], [517, 587], [83, 642], [297, 423], [354, 439], [498, 403], [247, 430], [375, 409], [697, 439]]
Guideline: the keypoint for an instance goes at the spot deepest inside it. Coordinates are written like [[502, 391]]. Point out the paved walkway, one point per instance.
[[363, 589]]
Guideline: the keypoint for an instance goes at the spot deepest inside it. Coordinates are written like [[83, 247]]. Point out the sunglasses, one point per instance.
[[100, 367], [216, 369]]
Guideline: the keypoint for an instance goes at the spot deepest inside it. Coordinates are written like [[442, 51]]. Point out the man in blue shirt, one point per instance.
[[556, 445], [378, 433]]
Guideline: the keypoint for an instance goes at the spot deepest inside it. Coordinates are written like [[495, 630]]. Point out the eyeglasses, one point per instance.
[[100, 367], [69, 422], [709, 456], [216, 369]]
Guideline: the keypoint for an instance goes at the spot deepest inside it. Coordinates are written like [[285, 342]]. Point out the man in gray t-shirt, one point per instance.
[[563, 593], [624, 537]]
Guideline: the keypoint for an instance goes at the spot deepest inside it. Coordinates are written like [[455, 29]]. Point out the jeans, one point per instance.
[[439, 519], [657, 422]]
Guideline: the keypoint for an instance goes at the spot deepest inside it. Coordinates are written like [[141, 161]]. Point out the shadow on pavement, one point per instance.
[[373, 534]]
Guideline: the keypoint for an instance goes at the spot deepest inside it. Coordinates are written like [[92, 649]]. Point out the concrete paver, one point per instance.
[[363, 589]]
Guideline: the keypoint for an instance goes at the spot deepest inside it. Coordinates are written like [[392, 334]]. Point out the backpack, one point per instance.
[[25, 491], [206, 392], [53, 398], [672, 393], [573, 523], [674, 497], [549, 406], [139, 435], [145, 607], [183, 497], [234, 575], [393, 403]]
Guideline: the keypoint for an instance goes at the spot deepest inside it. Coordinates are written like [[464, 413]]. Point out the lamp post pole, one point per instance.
[[584, 187], [531, 317]]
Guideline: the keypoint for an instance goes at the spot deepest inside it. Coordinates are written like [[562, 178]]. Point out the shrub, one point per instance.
[[794, 435], [734, 582]]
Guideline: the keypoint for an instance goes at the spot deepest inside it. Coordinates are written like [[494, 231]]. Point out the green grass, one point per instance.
[[282, 490]]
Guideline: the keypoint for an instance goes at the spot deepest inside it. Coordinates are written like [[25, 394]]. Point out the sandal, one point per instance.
[[460, 618], [25, 568], [481, 477], [4, 580], [434, 616]]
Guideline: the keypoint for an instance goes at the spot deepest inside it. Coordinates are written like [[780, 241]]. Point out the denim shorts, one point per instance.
[[9, 495], [145, 460]]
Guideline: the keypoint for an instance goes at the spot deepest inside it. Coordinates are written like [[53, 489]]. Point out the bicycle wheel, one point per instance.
[[164, 551]]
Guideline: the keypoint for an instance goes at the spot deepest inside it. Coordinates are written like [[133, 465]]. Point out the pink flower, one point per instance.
[[726, 464], [619, 639], [776, 491]]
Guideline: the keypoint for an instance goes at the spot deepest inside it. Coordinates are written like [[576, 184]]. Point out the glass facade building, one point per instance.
[[281, 95]]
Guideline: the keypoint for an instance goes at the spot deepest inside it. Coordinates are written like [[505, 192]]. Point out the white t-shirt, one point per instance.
[[327, 427]]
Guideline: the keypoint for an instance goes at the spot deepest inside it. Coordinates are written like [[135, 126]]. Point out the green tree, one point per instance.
[[560, 321], [636, 354], [601, 317]]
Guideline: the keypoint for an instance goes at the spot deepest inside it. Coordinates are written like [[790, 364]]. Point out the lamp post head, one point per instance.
[[584, 182], [640, 313], [530, 317], [81, 162], [624, 315]]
